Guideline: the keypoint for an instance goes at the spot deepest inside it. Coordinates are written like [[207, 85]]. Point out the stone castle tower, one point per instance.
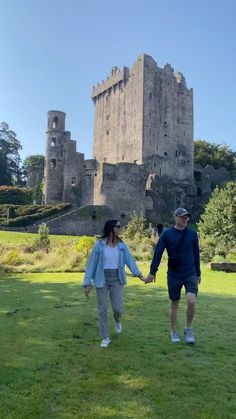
[[142, 150], [145, 115]]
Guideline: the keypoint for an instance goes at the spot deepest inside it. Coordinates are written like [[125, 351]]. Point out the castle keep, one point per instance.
[[142, 148]]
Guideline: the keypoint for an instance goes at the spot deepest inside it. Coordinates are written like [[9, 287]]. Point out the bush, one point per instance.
[[29, 214], [138, 237], [217, 226], [15, 195], [84, 245]]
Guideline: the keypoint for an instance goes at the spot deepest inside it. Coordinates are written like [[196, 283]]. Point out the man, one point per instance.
[[182, 247]]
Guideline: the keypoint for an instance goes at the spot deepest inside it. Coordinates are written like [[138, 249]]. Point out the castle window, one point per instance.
[[53, 141], [199, 192], [107, 117], [150, 114], [160, 171], [154, 164], [94, 215], [165, 123], [122, 215], [108, 132], [165, 135], [55, 122], [150, 95], [73, 181], [165, 153], [123, 157], [176, 153], [53, 163], [135, 161]]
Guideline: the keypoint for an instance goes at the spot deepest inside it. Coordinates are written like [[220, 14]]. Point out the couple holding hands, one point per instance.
[[106, 269]]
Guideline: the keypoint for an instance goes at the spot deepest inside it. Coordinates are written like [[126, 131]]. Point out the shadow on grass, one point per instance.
[[52, 365]]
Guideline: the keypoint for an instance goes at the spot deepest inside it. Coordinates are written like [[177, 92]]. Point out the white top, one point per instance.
[[111, 257]]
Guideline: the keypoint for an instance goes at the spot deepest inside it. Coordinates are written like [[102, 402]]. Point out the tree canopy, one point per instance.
[[217, 226], [35, 161], [215, 155], [10, 171]]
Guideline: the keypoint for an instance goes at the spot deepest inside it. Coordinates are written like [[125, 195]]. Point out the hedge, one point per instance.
[[29, 214]]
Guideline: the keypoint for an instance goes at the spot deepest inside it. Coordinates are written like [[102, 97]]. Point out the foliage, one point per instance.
[[52, 365], [35, 161], [38, 193], [137, 224], [11, 212], [10, 172], [217, 226], [15, 195], [84, 245], [138, 237], [29, 214], [215, 155]]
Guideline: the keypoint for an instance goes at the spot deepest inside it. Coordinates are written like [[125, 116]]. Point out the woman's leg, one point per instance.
[[102, 312]]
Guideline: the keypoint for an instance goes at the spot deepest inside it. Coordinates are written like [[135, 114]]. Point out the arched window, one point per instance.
[[55, 122]]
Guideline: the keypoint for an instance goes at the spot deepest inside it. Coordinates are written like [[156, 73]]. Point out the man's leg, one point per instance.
[[191, 303], [173, 314]]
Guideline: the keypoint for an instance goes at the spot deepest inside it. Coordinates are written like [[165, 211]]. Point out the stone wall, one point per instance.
[[88, 220]]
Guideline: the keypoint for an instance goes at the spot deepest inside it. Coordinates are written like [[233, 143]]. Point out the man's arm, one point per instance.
[[160, 247], [196, 255]]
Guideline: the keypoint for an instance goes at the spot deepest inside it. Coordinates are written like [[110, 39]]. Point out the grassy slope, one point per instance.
[[51, 365]]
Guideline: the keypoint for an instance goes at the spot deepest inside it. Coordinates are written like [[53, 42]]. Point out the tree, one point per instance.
[[35, 161], [217, 226], [10, 171], [33, 168], [215, 155]]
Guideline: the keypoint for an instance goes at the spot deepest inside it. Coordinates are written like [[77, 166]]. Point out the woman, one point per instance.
[[106, 268]]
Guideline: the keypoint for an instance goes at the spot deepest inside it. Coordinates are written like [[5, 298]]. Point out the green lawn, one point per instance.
[[17, 238], [51, 365]]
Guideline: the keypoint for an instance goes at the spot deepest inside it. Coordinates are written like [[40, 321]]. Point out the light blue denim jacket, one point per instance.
[[95, 268]]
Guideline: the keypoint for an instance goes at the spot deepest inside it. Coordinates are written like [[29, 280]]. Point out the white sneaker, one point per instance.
[[105, 342], [174, 336], [118, 327]]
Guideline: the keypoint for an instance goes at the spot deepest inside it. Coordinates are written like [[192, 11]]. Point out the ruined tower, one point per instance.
[[64, 166]]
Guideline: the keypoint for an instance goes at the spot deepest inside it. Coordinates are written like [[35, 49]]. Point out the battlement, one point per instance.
[[117, 75]]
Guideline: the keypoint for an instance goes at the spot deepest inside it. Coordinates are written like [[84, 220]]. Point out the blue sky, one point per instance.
[[53, 51]]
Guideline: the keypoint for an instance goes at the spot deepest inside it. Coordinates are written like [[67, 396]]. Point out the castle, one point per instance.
[[142, 149]]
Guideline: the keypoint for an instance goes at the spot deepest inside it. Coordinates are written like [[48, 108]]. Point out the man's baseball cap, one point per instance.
[[180, 212]]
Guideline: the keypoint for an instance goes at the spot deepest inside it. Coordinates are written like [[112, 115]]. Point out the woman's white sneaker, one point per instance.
[[118, 327], [105, 342]]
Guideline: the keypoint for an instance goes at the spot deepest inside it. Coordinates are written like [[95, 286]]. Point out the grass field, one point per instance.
[[51, 365], [17, 238]]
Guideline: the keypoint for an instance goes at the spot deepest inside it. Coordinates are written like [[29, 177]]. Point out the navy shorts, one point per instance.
[[175, 286]]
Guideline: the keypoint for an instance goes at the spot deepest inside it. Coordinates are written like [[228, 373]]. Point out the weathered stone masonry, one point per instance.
[[143, 146]]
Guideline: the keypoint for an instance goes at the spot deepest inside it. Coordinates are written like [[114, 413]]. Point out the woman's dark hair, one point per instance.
[[108, 228]]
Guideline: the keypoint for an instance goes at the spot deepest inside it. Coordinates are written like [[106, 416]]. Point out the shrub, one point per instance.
[[84, 245], [138, 237], [15, 195], [30, 214], [217, 226]]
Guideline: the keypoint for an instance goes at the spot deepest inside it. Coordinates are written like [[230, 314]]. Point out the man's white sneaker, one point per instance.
[[174, 336], [118, 327], [189, 337], [105, 342]]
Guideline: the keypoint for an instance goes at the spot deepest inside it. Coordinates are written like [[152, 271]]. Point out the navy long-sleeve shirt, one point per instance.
[[189, 259]]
